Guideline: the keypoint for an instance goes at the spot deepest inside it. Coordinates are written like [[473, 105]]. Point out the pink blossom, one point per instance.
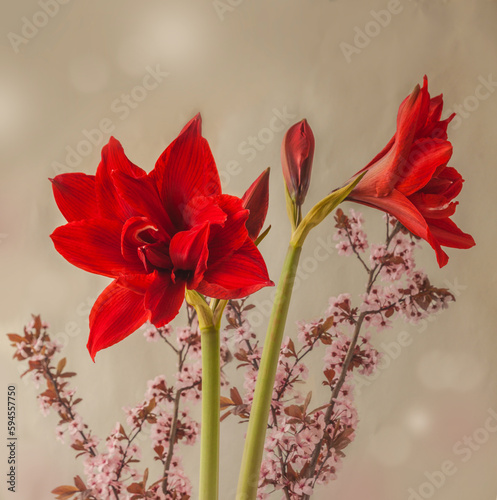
[[59, 432], [151, 334]]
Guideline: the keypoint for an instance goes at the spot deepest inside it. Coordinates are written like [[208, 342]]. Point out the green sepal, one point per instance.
[[291, 209], [320, 211], [209, 315], [205, 314]]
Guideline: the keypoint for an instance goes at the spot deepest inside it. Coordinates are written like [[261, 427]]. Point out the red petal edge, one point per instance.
[[75, 196], [240, 275], [116, 314]]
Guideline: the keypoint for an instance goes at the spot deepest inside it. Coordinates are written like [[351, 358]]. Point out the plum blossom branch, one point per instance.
[[105, 469]]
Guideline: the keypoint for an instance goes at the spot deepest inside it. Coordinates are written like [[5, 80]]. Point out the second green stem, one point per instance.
[[261, 405], [209, 437]]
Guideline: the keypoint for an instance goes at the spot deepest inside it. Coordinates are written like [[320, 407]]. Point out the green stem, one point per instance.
[[256, 432], [209, 437]]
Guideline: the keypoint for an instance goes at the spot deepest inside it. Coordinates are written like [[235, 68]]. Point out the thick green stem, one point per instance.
[[256, 432], [209, 437]]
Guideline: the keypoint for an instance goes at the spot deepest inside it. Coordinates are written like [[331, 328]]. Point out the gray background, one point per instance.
[[236, 66]]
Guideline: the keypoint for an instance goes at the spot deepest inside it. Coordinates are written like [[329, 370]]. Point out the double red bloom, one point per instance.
[[410, 178], [158, 234]]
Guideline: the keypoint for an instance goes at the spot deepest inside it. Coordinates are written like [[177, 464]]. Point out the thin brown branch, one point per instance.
[[172, 439], [60, 400], [373, 274], [354, 249], [334, 395]]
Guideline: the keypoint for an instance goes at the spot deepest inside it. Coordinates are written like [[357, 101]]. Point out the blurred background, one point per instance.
[[73, 73]]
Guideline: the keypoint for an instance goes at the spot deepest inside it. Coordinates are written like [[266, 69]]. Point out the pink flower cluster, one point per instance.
[[352, 238], [295, 429], [110, 467]]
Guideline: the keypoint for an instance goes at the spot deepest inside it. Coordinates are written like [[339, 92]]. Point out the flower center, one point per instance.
[[182, 275], [155, 256]]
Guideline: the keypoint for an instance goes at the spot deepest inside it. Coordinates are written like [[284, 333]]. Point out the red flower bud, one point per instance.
[[256, 200], [297, 152]]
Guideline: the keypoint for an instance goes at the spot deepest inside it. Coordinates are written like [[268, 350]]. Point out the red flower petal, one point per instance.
[[111, 205], [407, 214], [256, 201], [164, 298], [447, 182], [390, 164], [136, 232], [385, 173], [426, 156], [424, 108], [430, 127], [185, 170], [142, 196], [434, 127], [138, 283], [203, 209], [156, 254], [116, 314], [75, 196], [95, 246], [189, 252], [224, 240], [242, 274], [449, 235], [379, 156], [433, 206]]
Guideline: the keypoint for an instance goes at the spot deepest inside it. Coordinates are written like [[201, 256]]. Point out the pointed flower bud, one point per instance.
[[297, 152], [256, 200]]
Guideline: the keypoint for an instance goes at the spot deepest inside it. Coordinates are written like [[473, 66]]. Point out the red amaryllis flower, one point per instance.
[[158, 234], [297, 153], [410, 179]]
